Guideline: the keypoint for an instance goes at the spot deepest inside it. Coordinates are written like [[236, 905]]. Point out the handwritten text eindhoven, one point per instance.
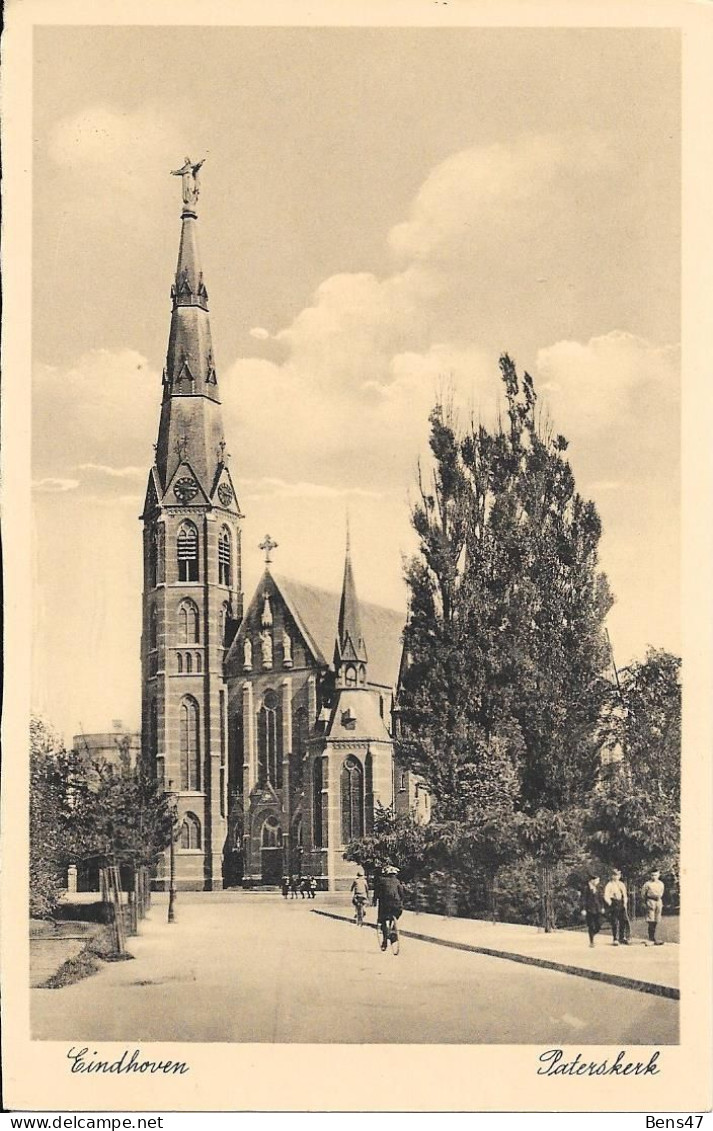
[[123, 1066]]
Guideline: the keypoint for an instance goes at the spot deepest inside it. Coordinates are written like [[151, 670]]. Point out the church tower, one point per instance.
[[192, 576]]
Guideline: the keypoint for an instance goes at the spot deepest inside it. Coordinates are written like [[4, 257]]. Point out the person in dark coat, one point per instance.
[[389, 897], [285, 886], [592, 907]]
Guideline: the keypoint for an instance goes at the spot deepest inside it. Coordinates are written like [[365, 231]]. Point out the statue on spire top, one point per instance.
[[189, 180]]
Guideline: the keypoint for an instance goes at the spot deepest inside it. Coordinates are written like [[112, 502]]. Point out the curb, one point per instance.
[[621, 980]]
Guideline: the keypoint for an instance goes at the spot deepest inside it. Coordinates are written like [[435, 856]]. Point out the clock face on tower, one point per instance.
[[225, 494], [185, 489]]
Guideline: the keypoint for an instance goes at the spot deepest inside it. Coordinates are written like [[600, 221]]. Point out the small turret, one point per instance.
[[350, 655]]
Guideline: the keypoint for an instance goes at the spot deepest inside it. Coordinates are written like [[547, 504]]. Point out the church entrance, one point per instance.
[[271, 852]]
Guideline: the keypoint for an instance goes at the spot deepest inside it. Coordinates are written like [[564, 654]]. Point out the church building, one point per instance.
[[271, 727]]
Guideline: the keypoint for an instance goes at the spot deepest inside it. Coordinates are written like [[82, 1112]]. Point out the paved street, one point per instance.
[[258, 968]]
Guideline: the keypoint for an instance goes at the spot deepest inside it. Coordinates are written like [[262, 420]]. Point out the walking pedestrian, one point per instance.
[[304, 886], [592, 907], [615, 899], [652, 894], [285, 886], [294, 886], [312, 887]]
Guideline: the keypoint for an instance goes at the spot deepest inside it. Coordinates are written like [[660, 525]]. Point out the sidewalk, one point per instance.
[[652, 970]]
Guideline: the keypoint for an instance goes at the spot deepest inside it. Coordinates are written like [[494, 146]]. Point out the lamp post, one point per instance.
[[172, 861]]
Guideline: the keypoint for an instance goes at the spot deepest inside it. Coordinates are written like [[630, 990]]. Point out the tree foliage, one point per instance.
[[46, 877], [634, 813], [505, 642], [83, 808]]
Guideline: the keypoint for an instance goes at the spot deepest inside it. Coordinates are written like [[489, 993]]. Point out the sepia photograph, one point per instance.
[[355, 710]]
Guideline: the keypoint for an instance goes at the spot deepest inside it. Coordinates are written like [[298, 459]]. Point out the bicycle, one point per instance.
[[388, 932]]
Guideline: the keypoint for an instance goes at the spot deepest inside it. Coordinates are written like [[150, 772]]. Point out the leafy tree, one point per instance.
[[503, 687], [634, 814], [46, 877], [113, 812], [84, 808], [549, 837], [396, 839]]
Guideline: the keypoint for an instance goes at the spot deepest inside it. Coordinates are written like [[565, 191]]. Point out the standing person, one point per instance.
[[304, 886], [615, 899], [294, 885], [312, 887], [389, 894], [285, 886], [592, 907], [360, 894], [652, 894]]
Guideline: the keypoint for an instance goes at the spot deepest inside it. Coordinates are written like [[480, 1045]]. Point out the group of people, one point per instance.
[[387, 897], [292, 886], [613, 902]]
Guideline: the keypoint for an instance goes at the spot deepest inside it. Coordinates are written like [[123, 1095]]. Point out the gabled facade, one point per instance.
[[314, 736]]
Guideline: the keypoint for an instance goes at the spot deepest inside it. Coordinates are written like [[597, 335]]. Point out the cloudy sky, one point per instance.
[[383, 211]]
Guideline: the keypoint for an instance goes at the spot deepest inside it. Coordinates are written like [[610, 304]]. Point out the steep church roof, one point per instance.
[[191, 425], [317, 612], [350, 638]]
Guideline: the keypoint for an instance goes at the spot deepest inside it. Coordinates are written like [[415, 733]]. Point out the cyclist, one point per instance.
[[390, 896], [360, 894]]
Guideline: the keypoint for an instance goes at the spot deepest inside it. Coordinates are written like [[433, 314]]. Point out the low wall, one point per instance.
[[50, 949]]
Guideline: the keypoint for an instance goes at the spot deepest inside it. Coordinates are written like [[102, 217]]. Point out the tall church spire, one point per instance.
[[191, 427], [350, 647]]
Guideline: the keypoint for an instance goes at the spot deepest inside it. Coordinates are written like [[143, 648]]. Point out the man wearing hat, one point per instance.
[[390, 896], [615, 900], [652, 895], [360, 894]]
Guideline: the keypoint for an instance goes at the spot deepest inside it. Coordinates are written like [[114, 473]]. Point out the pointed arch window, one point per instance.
[[269, 741], [271, 836], [352, 799], [189, 744], [225, 557], [190, 832], [189, 663], [300, 733], [187, 552], [153, 629], [153, 558], [317, 827], [153, 641], [153, 732], [188, 623], [350, 675]]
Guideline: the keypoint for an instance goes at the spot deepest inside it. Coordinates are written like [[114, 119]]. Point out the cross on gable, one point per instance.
[[267, 545]]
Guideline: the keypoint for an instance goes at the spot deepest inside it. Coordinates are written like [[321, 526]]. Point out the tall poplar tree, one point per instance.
[[503, 684]]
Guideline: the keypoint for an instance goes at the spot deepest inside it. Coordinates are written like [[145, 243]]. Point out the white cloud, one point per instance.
[[491, 187], [105, 143], [259, 333], [77, 410], [614, 377], [282, 489], [113, 472], [52, 485]]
